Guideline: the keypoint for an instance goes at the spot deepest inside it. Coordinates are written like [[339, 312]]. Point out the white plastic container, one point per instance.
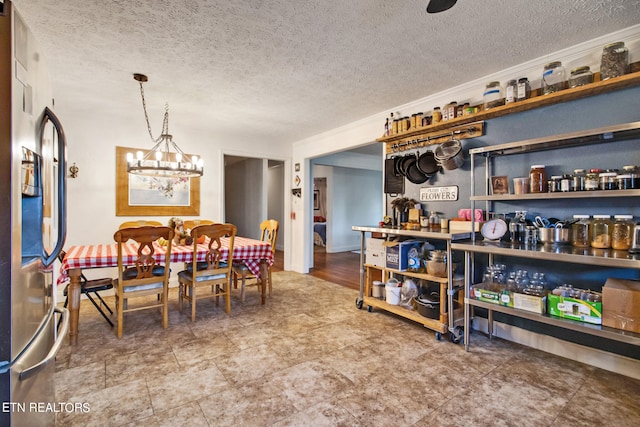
[[392, 293]]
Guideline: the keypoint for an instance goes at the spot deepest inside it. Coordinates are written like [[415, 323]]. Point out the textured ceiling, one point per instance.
[[282, 70]]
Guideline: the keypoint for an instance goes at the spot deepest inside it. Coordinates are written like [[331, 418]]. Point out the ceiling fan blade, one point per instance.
[[436, 6]]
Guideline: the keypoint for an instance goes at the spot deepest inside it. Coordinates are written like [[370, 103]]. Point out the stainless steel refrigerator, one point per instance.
[[32, 228]]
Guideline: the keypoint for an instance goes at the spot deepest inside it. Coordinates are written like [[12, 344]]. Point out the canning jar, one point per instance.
[[580, 231], [578, 180], [436, 116], [592, 180], [492, 95], [634, 175], [565, 183], [553, 78], [608, 181], [615, 61], [537, 179], [553, 184], [601, 232], [511, 92], [622, 232], [580, 76], [524, 89], [434, 221]]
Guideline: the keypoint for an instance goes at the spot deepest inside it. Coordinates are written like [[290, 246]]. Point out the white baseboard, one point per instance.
[[590, 356]]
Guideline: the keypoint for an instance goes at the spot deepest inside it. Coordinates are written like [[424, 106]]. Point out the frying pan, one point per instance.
[[397, 160], [426, 163], [413, 173], [404, 163]]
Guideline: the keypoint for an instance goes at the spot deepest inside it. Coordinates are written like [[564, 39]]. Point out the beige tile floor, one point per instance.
[[310, 358]]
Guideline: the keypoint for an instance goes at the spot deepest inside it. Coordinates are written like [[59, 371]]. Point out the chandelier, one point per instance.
[[165, 159]]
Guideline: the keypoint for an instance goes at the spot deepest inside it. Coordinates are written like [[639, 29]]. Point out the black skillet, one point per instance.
[[414, 174], [427, 163], [404, 163]]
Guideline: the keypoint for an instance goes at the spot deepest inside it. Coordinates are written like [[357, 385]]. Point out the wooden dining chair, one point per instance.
[[268, 233], [190, 223], [140, 223], [214, 273], [143, 276], [89, 287]]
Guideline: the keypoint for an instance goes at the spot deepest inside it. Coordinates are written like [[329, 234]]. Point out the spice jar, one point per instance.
[[580, 231], [553, 78], [622, 232], [592, 180], [634, 177], [436, 115], [449, 111], [578, 180], [492, 95], [565, 183], [608, 181], [580, 76], [537, 179], [524, 89], [601, 232], [553, 184], [615, 61], [510, 92]]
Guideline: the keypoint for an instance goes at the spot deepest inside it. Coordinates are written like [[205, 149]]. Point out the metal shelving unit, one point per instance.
[[560, 254]]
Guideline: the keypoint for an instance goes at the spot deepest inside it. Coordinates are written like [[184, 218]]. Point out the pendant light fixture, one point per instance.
[[165, 159], [436, 6]]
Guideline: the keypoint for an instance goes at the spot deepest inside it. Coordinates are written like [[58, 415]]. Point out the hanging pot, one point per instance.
[[414, 174], [404, 163], [449, 154], [397, 160], [427, 163]]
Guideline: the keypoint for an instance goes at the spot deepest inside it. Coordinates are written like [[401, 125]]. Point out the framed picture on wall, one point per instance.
[[316, 200], [140, 195], [499, 185]]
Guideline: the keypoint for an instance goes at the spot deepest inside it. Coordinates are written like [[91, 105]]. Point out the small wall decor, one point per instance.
[[499, 185]]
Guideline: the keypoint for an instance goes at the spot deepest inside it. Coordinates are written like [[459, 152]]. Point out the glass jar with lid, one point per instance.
[[578, 180], [566, 181], [553, 78], [608, 181], [553, 184], [537, 179], [622, 232], [634, 176], [601, 232], [434, 221], [524, 89], [511, 92], [449, 111], [615, 61], [492, 95], [592, 180], [580, 236], [436, 116], [580, 76]]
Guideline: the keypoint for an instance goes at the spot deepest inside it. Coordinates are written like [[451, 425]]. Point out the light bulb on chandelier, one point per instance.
[[165, 159]]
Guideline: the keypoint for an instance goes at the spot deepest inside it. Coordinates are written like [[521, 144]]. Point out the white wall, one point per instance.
[[275, 202]]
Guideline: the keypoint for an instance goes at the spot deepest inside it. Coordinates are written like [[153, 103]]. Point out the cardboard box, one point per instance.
[[397, 254], [533, 303], [493, 293], [621, 302], [575, 309], [374, 252], [463, 226]]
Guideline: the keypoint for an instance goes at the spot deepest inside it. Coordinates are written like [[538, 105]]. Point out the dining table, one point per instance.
[[255, 254]]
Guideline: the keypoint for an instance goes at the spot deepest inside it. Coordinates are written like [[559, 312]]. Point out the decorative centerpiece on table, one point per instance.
[[180, 236], [401, 206]]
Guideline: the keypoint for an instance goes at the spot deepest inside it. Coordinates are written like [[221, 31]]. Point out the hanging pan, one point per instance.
[[404, 163], [449, 154], [414, 174], [426, 163]]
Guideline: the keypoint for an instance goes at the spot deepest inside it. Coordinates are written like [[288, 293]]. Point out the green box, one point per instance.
[[493, 293], [575, 309]]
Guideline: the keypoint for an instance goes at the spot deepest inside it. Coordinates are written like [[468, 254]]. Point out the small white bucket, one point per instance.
[[377, 290], [393, 294]]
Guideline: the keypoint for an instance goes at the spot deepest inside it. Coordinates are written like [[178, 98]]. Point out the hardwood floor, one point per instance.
[[342, 268]]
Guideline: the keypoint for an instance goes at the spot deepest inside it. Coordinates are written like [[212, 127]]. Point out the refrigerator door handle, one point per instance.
[[50, 357], [48, 259]]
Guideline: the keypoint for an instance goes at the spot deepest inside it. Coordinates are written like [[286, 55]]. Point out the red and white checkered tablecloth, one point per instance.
[[249, 251]]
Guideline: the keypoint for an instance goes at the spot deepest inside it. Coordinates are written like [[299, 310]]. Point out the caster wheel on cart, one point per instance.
[[438, 336], [456, 335], [370, 309], [359, 303]]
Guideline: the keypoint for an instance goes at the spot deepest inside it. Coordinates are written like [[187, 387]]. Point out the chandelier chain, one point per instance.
[[146, 116]]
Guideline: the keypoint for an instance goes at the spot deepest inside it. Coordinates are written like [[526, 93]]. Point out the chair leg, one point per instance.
[[227, 296], [193, 302], [165, 307], [244, 288], [180, 296], [98, 307], [120, 310], [103, 302], [270, 282]]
